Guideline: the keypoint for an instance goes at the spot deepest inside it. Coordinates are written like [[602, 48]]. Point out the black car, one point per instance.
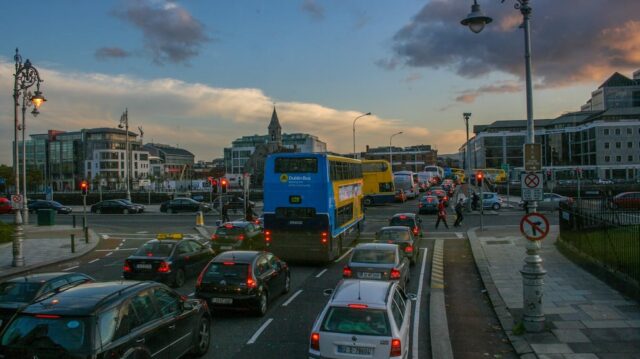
[[403, 237], [20, 291], [113, 206], [183, 205], [237, 235], [410, 220], [139, 208], [119, 319], [428, 204], [243, 280], [169, 259], [34, 206]]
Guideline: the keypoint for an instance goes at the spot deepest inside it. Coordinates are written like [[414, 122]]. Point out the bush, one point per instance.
[[6, 232]]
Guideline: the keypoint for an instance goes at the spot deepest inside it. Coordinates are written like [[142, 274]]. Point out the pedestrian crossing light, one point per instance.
[[479, 177], [84, 187]]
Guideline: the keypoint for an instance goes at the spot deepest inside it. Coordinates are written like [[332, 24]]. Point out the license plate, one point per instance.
[[222, 300], [143, 266], [368, 275], [225, 247], [346, 349]]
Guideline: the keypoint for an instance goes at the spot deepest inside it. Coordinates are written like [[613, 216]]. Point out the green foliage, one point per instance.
[[6, 172], [6, 232], [518, 329]]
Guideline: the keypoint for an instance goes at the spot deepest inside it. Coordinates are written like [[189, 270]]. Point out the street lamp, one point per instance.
[[26, 76], [354, 131], [124, 122], [532, 271], [467, 160], [390, 155]]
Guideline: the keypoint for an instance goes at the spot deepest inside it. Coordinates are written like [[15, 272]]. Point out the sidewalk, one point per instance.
[[585, 318], [45, 245]]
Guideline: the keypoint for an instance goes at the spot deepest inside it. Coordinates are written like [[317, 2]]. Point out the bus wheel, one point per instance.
[[368, 201]]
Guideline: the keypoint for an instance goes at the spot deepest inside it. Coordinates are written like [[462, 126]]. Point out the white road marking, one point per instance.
[[70, 268], [104, 236], [142, 232], [115, 249], [93, 261], [459, 235], [321, 273], [416, 311], [292, 298], [344, 255], [259, 331], [108, 254], [191, 294]]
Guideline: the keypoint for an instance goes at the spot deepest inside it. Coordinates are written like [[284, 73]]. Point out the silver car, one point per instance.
[[363, 319], [378, 261]]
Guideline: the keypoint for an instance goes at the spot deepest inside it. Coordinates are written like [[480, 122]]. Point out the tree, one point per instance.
[[6, 173]]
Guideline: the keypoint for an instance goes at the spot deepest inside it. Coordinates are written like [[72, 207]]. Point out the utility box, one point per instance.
[[46, 217]]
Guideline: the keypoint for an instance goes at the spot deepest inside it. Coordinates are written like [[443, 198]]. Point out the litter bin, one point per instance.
[[46, 217]]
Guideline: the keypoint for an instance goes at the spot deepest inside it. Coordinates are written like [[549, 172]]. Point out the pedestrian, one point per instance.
[[459, 216], [249, 212], [525, 205], [442, 214], [225, 215]]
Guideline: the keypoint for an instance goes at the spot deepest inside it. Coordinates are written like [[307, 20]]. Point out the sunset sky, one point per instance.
[[198, 74]]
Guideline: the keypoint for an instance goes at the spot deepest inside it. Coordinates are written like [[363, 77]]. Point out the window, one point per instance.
[[374, 167], [629, 144], [618, 145], [167, 302], [344, 214], [628, 131], [630, 158], [398, 307], [107, 322], [617, 131], [262, 265], [606, 145], [607, 158], [295, 213], [142, 305], [296, 165], [618, 158], [606, 131], [386, 187], [356, 321]]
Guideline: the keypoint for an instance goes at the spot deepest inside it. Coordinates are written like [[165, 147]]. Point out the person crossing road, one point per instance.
[[442, 214], [459, 216]]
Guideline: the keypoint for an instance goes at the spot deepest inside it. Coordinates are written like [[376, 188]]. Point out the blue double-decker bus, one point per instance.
[[312, 205]]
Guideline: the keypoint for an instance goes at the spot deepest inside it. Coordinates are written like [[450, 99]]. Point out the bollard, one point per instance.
[[74, 221], [73, 243], [86, 235], [199, 219]]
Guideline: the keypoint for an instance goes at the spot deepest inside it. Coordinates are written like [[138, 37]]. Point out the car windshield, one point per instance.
[[401, 221], [155, 249], [231, 272], [125, 201], [380, 256], [66, 334], [18, 291], [356, 321], [393, 235], [229, 231]]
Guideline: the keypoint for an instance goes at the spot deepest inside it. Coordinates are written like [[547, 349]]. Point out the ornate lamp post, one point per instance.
[[532, 271], [25, 76], [354, 132], [124, 122], [390, 154]]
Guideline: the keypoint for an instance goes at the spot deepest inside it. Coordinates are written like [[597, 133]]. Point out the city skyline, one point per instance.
[[198, 75]]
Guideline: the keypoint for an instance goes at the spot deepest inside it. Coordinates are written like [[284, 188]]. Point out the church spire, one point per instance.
[[275, 130]]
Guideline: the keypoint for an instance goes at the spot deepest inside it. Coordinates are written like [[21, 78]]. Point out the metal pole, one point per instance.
[[354, 132], [467, 167], [220, 199], [84, 212], [18, 258], [481, 207], [128, 163], [25, 208], [73, 243]]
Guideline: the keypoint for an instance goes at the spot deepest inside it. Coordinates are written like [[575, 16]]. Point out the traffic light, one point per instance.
[[84, 187], [223, 185], [214, 184], [479, 177]]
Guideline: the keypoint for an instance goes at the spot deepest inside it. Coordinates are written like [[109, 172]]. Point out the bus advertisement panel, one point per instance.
[[312, 205], [378, 182]]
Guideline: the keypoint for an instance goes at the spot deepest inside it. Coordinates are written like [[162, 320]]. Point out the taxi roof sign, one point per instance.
[[175, 236]]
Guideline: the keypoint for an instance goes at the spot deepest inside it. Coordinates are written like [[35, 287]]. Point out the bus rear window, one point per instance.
[[296, 165], [295, 212]]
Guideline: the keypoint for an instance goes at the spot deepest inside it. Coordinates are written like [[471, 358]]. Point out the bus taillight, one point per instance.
[[324, 237], [267, 236]]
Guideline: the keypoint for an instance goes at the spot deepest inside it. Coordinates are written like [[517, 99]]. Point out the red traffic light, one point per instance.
[[84, 185], [223, 181], [479, 175]]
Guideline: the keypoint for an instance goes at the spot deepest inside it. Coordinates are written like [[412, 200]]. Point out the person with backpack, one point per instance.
[[442, 214], [459, 216]]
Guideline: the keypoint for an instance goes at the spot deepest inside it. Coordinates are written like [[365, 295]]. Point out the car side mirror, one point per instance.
[[186, 305], [412, 296]]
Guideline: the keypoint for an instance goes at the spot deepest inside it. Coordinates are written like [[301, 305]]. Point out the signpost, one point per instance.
[[505, 168], [534, 226], [532, 186], [532, 157], [17, 201]]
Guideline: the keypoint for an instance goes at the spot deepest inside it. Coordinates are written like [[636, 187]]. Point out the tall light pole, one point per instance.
[[467, 160], [124, 122], [354, 132], [390, 153], [532, 271], [25, 76]]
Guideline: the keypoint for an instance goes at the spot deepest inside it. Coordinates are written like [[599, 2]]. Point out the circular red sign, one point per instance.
[[532, 180], [534, 226]]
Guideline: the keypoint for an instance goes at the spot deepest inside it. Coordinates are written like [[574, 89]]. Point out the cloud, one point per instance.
[[567, 47], [315, 10], [469, 96], [170, 33], [104, 53], [199, 117]]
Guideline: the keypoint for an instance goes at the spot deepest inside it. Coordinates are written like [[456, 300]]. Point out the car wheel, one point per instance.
[[179, 279], [496, 206], [368, 201], [125, 211], [287, 284], [98, 211], [203, 338], [261, 309]]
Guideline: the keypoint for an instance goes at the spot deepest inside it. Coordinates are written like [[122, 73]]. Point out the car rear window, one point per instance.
[[393, 235], [230, 272], [229, 231], [398, 221], [373, 256], [356, 321], [155, 249], [18, 291], [53, 333]]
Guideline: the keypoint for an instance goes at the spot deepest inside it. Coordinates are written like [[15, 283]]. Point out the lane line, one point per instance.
[[321, 273], [416, 311], [459, 235], [292, 298], [115, 249], [259, 331], [108, 254], [191, 294], [93, 261], [343, 256], [70, 268]]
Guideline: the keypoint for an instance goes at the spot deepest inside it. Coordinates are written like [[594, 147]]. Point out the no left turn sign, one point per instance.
[[534, 226]]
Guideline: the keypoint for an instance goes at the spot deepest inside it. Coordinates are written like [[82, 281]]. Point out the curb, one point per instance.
[[93, 242], [438, 325], [520, 345]]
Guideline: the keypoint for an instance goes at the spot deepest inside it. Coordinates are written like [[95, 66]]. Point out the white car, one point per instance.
[[363, 319]]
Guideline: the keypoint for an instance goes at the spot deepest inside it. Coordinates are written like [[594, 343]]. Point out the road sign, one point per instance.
[[534, 226], [16, 201], [532, 186], [532, 157]]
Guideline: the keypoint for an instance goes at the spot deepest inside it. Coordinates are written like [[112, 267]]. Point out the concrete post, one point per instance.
[[18, 258], [532, 287]]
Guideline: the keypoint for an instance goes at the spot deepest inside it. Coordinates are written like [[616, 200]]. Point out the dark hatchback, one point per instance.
[[183, 205], [34, 206], [403, 237], [113, 206], [169, 259], [428, 204], [139, 208], [237, 235], [20, 291], [243, 280], [410, 220], [122, 319]]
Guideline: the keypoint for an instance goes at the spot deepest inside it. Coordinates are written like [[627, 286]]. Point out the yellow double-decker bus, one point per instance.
[[378, 182], [459, 173]]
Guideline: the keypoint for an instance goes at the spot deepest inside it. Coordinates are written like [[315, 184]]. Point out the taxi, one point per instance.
[[170, 258]]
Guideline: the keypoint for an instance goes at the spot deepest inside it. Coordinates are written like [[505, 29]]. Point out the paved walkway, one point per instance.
[[585, 318], [45, 245]]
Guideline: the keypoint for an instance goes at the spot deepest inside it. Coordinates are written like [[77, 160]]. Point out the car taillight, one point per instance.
[[47, 316], [164, 267], [267, 236], [251, 282], [395, 274], [415, 230], [314, 342], [214, 237], [241, 237], [127, 266], [324, 237], [396, 348], [346, 272], [199, 280], [408, 249]]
